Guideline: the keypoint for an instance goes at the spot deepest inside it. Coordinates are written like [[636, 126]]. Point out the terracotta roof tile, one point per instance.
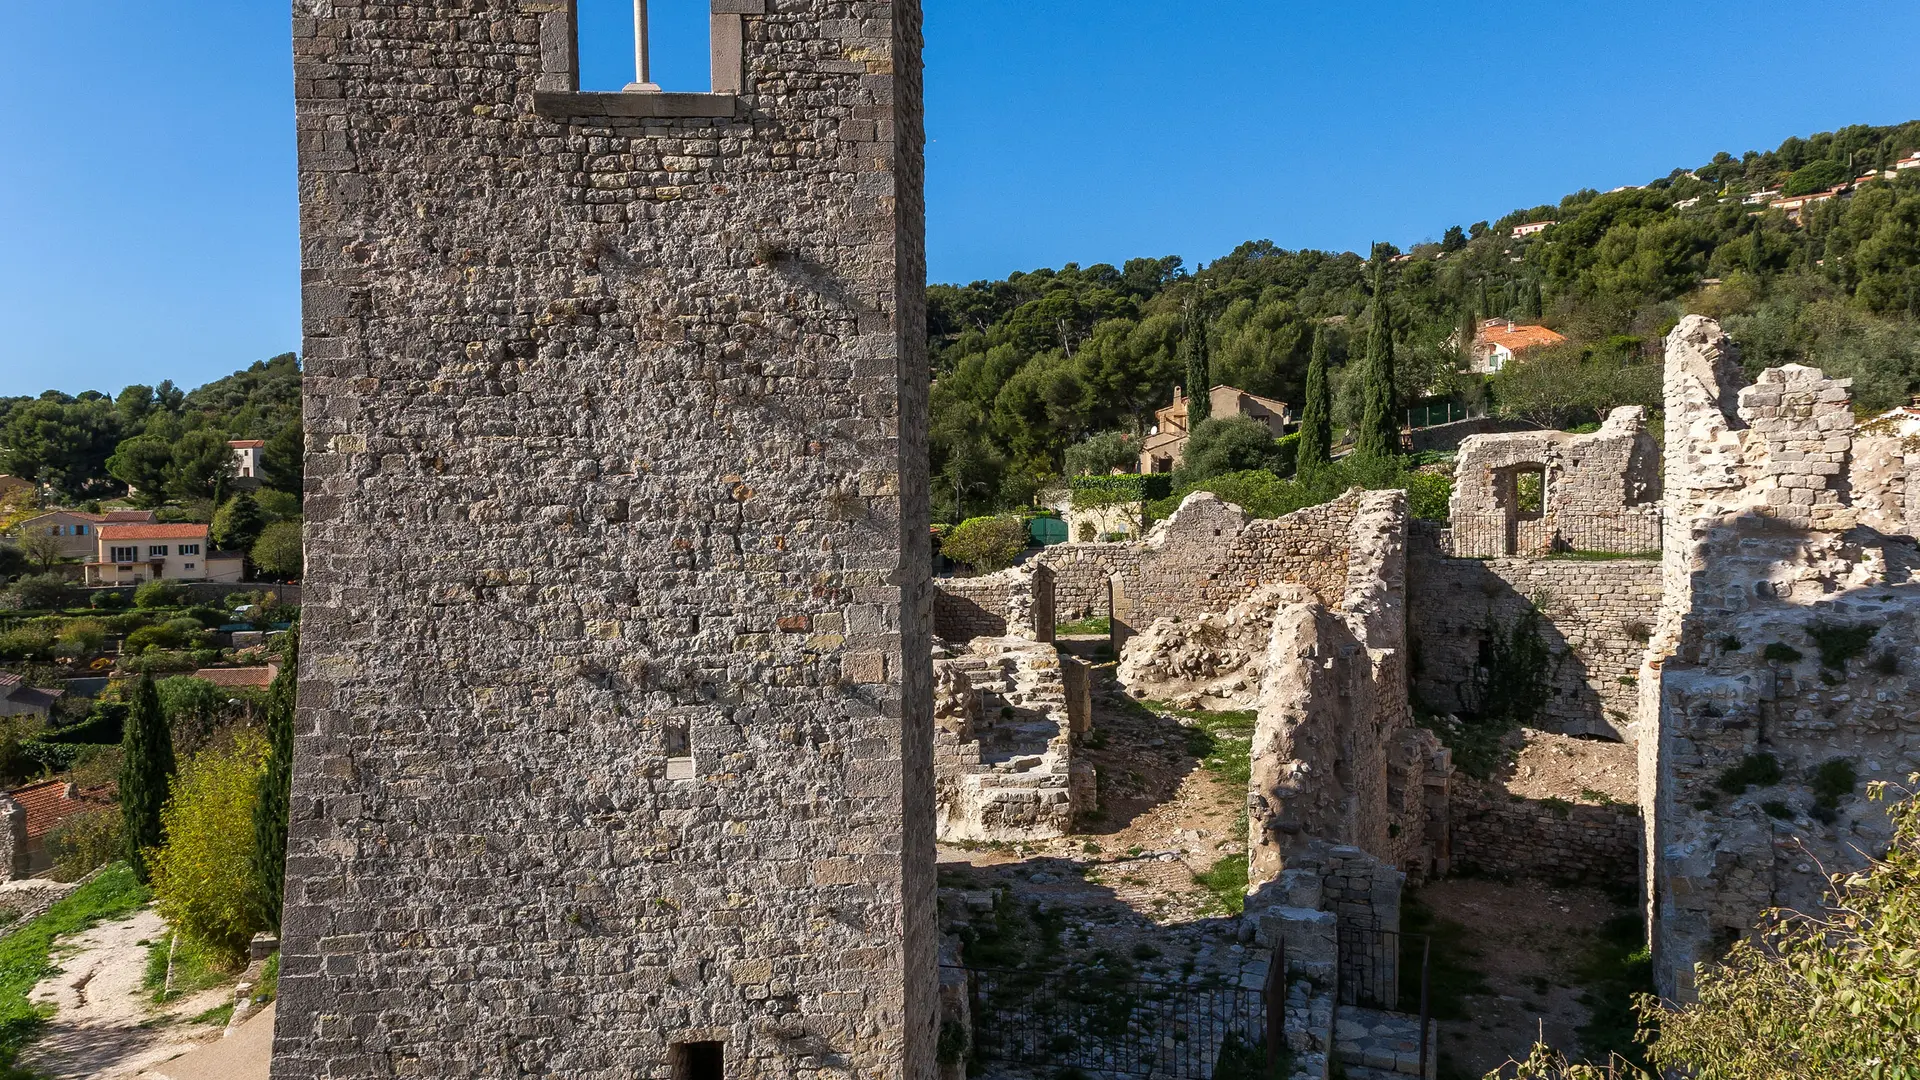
[[153, 532], [245, 676], [49, 803], [247, 444], [1519, 337]]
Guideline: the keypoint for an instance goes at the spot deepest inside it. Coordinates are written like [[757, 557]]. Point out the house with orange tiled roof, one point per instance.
[[29, 814], [1500, 340], [76, 530], [133, 554]]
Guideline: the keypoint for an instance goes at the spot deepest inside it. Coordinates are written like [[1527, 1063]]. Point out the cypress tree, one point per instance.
[[269, 859], [146, 769], [1379, 435], [1316, 415], [1756, 249], [1199, 370], [1536, 304], [1469, 331]]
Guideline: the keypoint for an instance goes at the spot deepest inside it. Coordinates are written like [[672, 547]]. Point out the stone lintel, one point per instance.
[[561, 105]]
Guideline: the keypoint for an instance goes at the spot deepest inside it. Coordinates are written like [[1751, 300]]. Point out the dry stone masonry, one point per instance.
[[1781, 677], [1006, 711], [1597, 492], [1596, 618], [628, 773]]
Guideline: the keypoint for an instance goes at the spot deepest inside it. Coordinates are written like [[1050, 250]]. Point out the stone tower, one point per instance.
[[614, 745]]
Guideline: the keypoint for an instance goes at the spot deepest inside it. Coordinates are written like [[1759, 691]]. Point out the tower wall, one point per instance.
[[616, 458]]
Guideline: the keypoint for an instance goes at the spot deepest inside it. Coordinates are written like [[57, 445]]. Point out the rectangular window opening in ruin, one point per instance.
[[660, 46], [698, 1061], [679, 738]]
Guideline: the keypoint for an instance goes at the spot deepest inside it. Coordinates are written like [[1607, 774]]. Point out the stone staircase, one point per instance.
[[1376, 1045]]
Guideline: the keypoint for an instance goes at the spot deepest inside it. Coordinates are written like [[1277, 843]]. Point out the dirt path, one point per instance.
[[105, 1027]]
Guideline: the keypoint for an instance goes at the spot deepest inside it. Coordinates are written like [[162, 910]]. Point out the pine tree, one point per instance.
[[276, 789], [1199, 370], [146, 769], [1379, 435], [1316, 416]]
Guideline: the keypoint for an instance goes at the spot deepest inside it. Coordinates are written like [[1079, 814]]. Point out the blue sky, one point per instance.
[[148, 223]]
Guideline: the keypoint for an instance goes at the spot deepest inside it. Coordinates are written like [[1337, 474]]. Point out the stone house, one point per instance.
[[1166, 444], [132, 554], [249, 461], [29, 814], [78, 531], [19, 699], [1499, 341]]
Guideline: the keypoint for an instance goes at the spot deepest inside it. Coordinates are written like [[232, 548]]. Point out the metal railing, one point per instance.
[[1105, 1026], [1631, 530], [1378, 969]]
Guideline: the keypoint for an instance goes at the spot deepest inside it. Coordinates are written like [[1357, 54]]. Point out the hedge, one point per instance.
[[1091, 491]]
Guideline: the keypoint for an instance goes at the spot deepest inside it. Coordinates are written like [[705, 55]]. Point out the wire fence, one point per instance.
[[1389, 971]]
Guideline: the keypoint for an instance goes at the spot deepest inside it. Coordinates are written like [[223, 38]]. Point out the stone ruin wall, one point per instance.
[[1779, 520], [1600, 491], [1495, 836], [1015, 602], [637, 751], [1007, 712], [1596, 617], [1205, 558], [1336, 757]]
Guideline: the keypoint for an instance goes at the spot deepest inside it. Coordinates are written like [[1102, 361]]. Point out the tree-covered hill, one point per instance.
[[166, 442], [1028, 367]]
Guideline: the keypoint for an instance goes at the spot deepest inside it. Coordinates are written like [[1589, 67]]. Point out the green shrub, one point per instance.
[[1091, 491], [1839, 643], [42, 591], [27, 643], [85, 842], [159, 594], [1754, 770], [986, 543], [82, 637], [160, 662], [107, 600], [202, 877], [164, 636], [1832, 782]]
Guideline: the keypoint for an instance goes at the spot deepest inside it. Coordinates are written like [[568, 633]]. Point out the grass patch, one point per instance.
[[1223, 741], [24, 954], [219, 1014], [1100, 625], [1226, 880], [1615, 967], [193, 969], [1754, 770]]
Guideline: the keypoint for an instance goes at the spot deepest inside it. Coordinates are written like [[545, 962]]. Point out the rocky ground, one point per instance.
[[104, 1024], [1577, 770]]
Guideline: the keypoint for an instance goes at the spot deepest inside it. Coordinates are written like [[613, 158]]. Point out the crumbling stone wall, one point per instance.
[[637, 751], [1601, 491], [1336, 757], [1770, 568], [1015, 602], [1006, 711], [1597, 618], [1543, 840], [1207, 557]]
